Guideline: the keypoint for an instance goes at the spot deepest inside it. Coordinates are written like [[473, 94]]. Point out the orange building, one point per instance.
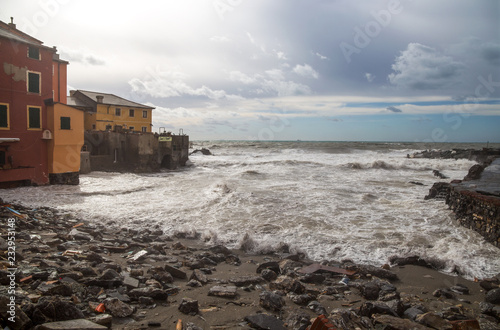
[[66, 125]]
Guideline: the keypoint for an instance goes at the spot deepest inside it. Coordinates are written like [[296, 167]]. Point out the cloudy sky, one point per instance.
[[369, 70]]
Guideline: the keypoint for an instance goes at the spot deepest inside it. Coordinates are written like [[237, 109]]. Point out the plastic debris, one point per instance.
[[138, 255], [100, 308]]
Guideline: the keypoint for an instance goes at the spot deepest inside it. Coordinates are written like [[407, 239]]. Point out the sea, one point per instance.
[[330, 200]]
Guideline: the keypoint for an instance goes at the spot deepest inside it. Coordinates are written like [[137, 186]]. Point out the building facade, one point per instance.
[[32, 80], [105, 112]]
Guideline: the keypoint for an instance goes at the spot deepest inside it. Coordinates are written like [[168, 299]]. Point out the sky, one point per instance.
[[336, 70]]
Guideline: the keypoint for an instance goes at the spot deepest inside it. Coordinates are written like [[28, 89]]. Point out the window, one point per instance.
[[34, 82], [109, 127], [131, 113], [118, 112], [34, 118], [144, 129], [2, 158], [33, 52], [4, 116], [131, 128], [144, 114], [93, 126], [65, 122]]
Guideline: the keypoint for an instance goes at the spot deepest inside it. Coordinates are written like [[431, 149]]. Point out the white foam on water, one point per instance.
[[342, 203]]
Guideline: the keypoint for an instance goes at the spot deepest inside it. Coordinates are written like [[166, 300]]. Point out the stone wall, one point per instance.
[[476, 211], [72, 178], [85, 162], [134, 152]]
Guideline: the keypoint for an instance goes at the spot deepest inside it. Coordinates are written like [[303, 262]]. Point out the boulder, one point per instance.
[[199, 276], [378, 272], [175, 272], [245, 280], [271, 301], [391, 322], [58, 310], [370, 308], [493, 296], [370, 290], [79, 324], [118, 308], [264, 321], [272, 265], [149, 291], [268, 274], [412, 313], [433, 320], [298, 320], [189, 306], [302, 299], [287, 284], [316, 307], [226, 291]]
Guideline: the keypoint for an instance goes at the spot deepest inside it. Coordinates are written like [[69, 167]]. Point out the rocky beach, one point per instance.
[[73, 274]]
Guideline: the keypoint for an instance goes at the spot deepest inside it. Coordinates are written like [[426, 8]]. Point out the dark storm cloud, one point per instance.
[[393, 109], [421, 67]]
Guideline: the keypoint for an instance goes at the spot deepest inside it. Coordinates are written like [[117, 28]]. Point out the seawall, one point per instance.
[[134, 152], [476, 199]]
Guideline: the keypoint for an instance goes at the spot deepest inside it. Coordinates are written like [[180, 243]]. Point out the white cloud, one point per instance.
[[369, 77], [423, 68], [219, 39], [241, 77], [80, 56], [171, 83], [306, 71], [280, 55], [275, 74], [321, 56]]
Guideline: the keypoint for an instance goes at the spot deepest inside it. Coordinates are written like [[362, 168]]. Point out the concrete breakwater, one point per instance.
[[133, 152], [475, 200]]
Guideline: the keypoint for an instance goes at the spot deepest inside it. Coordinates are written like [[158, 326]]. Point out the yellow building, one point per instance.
[[65, 139], [110, 112]]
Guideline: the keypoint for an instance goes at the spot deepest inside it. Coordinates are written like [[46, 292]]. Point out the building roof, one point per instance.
[[10, 31], [108, 99], [76, 102]]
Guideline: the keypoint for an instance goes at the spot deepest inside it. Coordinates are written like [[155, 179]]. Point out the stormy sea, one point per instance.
[[329, 200]]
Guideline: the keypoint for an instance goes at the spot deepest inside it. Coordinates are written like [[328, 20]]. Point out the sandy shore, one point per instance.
[[99, 263]]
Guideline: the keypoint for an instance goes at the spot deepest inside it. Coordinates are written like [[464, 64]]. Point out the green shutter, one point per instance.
[[65, 123], [4, 116], [33, 52], [34, 118], [33, 82]]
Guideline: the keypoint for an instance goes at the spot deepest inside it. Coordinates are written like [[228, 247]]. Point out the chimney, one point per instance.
[[99, 98], [72, 92], [11, 24]]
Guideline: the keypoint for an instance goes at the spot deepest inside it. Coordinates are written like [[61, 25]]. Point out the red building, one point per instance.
[[31, 76]]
